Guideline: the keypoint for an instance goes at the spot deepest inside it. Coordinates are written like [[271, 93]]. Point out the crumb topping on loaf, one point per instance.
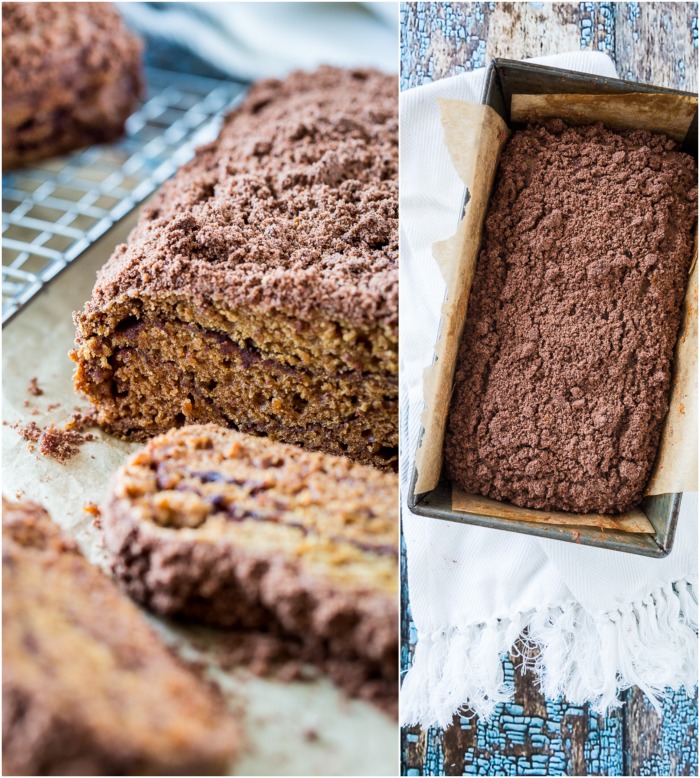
[[40, 39], [563, 373], [294, 206]]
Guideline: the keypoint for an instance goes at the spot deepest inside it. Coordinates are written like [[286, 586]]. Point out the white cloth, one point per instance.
[[602, 620], [265, 40]]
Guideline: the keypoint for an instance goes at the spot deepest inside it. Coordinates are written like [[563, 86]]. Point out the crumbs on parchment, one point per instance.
[[81, 418], [60, 443], [95, 512], [92, 509], [31, 431], [34, 388]]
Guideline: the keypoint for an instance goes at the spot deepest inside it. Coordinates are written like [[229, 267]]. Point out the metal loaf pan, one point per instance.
[[503, 79]]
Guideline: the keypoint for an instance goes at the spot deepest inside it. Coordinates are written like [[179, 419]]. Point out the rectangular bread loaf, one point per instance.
[[259, 289], [564, 369]]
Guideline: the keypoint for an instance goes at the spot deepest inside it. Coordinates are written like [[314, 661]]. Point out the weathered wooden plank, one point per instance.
[[665, 744], [443, 39], [657, 43], [651, 42], [538, 736], [532, 29], [530, 736]]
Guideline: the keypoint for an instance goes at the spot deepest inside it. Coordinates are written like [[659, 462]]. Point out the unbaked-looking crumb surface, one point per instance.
[[563, 372], [294, 206]]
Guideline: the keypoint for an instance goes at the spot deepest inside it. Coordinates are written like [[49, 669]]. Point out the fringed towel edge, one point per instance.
[[650, 643]]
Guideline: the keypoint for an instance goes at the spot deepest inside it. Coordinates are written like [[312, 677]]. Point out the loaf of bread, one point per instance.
[[259, 289], [214, 525], [87, 686], [71, 75], [563, 373]]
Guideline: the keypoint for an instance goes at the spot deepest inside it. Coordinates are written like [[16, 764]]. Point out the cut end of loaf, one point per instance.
[[150, 365]]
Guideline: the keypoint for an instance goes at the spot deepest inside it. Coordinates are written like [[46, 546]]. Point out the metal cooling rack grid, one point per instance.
[[52, 212]]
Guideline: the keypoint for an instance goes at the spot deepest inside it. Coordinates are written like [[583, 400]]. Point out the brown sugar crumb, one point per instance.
[[31, 432], [19, 494], [59, 443], [34, 388], [53, 406], [94, 510], [564, 368], [81, 418]]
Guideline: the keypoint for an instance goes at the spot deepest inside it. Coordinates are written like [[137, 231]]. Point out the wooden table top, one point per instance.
[[654, 43]]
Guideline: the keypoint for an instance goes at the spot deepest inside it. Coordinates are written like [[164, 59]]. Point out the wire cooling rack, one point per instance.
[[52, 212]]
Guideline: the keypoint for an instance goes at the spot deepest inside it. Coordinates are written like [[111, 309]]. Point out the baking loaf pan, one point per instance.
[[503, 79]]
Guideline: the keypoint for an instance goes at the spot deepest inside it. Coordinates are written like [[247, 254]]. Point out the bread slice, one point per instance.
[[71, 76], [214, 525], [88, 688]]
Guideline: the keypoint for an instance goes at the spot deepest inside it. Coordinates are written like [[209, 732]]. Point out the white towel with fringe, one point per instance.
[[602, 621]]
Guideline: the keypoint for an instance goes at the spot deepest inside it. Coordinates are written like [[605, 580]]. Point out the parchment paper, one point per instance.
[[670, 114], [474, 135], [353, 737]]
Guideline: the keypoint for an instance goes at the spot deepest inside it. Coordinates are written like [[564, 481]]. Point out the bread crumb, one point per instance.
[[61, 444], [31, 432], [81, 418], [34, 387]]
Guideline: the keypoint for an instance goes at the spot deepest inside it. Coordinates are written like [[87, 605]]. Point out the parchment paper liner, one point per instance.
[[670, 114], [475, 135]]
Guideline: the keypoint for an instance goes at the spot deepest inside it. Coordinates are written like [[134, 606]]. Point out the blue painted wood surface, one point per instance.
[[651, 42]]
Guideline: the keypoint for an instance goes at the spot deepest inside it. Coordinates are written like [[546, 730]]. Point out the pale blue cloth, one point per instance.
[[257, 40]]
